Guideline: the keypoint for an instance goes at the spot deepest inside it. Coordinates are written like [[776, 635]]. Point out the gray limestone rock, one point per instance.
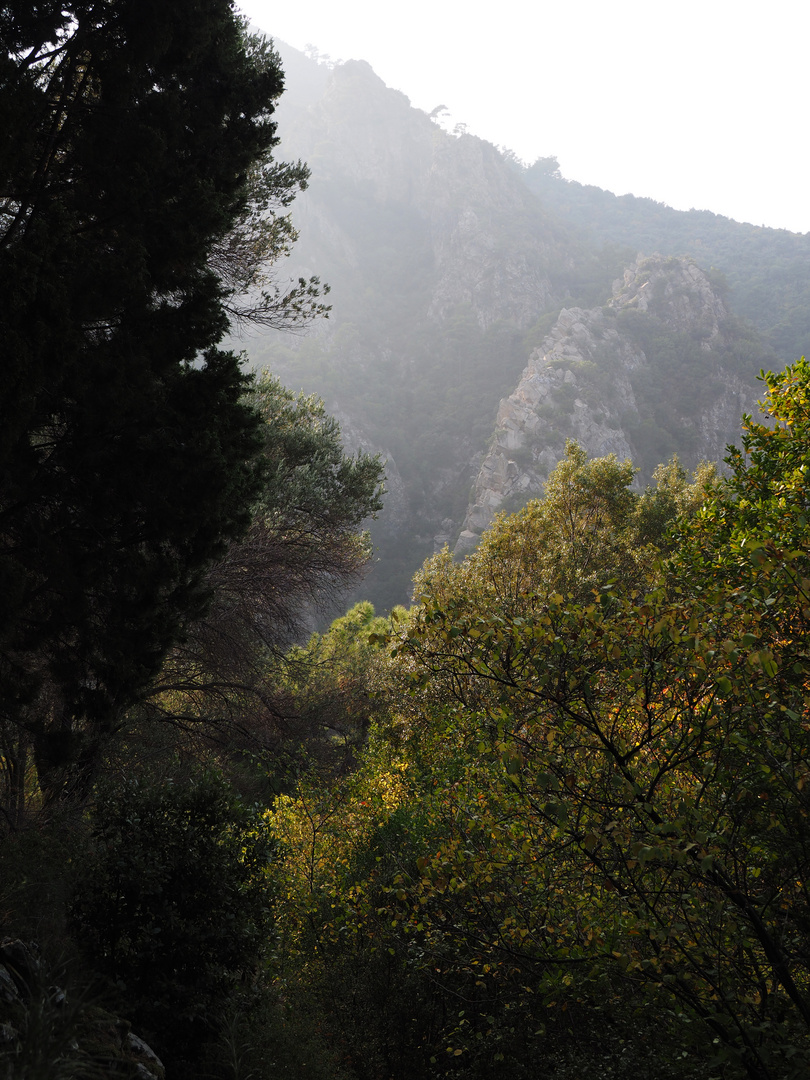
[[8, 991], [580, 385], [149, 1064], [20, 963]]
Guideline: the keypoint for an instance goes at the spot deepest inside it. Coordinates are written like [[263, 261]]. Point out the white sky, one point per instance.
[[695, 103]]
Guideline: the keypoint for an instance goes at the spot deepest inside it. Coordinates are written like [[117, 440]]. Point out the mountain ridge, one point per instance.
[[450, 263]]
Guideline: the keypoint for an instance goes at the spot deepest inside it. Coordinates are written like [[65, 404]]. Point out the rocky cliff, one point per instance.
[[450, 276], [661, 368], [439, 259]]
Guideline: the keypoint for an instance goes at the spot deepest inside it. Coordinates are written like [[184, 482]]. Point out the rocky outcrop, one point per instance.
[[43, 1027], [443, 264], [595, 376]]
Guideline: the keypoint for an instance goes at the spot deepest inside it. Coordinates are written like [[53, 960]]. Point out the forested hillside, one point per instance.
[[438, 260], [450, 264], [767, 270]]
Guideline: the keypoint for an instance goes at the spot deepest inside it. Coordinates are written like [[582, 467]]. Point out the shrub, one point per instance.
[[174, 902]]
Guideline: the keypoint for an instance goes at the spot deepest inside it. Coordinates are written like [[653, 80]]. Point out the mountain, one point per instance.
[[462, 279], [661, 368], [767, 270]]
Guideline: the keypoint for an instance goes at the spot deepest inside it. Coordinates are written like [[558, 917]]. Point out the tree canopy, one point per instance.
[[137, 199], [305, 545], [586, 817]]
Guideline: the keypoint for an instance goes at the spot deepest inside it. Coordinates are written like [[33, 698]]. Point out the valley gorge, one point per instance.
[[478, 320]]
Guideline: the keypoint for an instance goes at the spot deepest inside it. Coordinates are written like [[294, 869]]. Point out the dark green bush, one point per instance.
[[174, 902]]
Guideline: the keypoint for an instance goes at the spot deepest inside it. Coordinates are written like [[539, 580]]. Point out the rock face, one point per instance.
[[481, 258], [439, 260], [445, 270], [596, 376], [484, 239], [72, 1038]]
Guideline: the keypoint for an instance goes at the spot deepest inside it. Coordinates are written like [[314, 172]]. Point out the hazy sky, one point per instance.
[[696, 104]]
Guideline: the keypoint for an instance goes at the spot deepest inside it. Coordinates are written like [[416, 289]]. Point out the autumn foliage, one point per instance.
[[581, 834]]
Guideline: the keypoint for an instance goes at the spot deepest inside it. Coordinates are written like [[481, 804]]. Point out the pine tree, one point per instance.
[[132, 134]]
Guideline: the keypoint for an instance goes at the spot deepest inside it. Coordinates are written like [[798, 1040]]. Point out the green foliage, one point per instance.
[[623, 814], [305, 547], [174, 901], [333, 686], [277, 1037], [653, 766], [128, 455], [752, 533], [35, 878], [42, 1042], [672, 499], [589, 528], [765, 272], [312, 487], [590, 814], [134, 451]]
